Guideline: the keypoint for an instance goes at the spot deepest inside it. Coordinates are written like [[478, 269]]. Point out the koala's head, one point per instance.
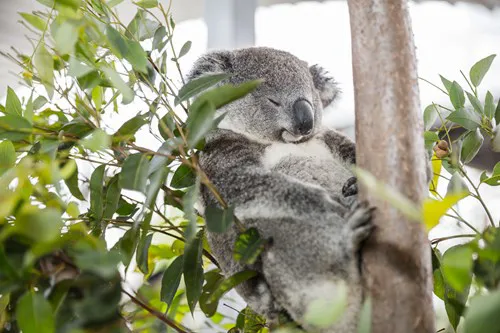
[[287, 106]]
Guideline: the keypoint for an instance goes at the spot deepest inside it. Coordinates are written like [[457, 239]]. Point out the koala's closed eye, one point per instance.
[[274, 102]]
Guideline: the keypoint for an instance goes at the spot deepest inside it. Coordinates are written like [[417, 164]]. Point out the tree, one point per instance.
[[69, 178]]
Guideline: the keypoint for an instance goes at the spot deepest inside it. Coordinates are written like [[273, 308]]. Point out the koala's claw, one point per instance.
[[350, 187], [360, 222]]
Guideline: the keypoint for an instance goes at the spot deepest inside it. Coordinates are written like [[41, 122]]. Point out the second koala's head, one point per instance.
[[287, 106]]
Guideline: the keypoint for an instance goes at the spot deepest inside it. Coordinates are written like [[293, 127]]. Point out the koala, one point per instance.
[[291, 179]]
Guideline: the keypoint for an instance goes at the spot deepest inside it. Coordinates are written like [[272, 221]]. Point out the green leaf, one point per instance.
[[476, 104], [134, 174], [118, 83], [184, 49], [248, 246], [78, 69], [326, 310], [457, 267], [156, 179], [193, 270], [44, 64], [171, 279], [495, 142], [97, 141], [72, 209], [13, 104], [218, 220], [103, 264], [7, 156], [158, 40], [137, 57], [34, 314], [471, 145], [456, 185], [117, 43], [166, 124], [468, 120], [200, 121], [226, 94], [188, 202], [112, 198], [446, 83], [141, 28], [223, 287], [14, 128], [147, 3], [197, 86], [430, 137], [40, 225], [457, 97], [454, 303], [39, 102], [72, 184], [66, 36], [365, 317], [183, 177], [430, 116], [73, 4], [96, 191], [433, 210], [126, 246], [130, 127], [35, 21], [489, 106], [142, 253], [483, 313], [479, 70], [497, 113]]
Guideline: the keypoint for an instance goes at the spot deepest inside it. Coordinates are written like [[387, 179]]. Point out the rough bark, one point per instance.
[[396, 259]]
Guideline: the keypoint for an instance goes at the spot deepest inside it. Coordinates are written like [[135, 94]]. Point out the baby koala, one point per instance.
[[290, 178]]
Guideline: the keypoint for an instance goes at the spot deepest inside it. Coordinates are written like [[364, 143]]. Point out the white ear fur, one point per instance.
[[325, 84]]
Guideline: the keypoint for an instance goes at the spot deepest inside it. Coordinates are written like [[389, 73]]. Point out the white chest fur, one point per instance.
[[313, 149]]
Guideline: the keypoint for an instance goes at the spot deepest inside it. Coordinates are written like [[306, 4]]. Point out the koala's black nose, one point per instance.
[[303, 117]]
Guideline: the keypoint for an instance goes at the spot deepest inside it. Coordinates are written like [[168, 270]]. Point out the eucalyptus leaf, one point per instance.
[[457, 97], [218, 220], [183, 177], [44, 65], [193, 270], [34, 314], [142, 253], [200, 121], [430, 116], [7, 156], [457, 267], [13, 104], [446, 83], [35, 21], [171, 280], [471, 145], [134, 174], [489, 106], [97, 192], [483, 313], [72, 184], [476, 104], [184, 49], [248, 246], [198, 85], [468, 120], [479, 70], [113, 191]]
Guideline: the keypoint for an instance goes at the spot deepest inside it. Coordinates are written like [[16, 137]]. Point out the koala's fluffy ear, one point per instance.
[[211, 63], [325, 84]]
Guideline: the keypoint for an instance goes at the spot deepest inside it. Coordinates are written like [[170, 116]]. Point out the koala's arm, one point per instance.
[[233, 164], [340, 144]]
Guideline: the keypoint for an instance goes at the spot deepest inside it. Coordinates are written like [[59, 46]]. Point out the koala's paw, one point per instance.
[[350, 187], [360, 223]]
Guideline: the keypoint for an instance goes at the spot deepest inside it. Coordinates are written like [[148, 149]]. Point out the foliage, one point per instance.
[[470, 271], [72, 178]]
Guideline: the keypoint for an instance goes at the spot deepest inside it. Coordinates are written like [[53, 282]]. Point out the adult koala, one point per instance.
[[288, 177]]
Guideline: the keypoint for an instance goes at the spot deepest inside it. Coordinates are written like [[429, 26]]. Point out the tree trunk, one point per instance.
[[396, 259]]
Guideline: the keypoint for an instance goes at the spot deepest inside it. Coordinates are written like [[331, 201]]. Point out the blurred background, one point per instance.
[[449, 37]]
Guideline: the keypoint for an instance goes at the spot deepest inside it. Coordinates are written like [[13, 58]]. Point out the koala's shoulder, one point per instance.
[[230, 149]]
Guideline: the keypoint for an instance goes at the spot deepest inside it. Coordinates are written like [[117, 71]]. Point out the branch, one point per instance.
[[396, 259]]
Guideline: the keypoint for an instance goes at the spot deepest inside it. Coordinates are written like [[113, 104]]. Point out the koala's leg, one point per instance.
[[309, 259]]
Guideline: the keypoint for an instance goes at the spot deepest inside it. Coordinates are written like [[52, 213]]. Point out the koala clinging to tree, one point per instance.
[[290, 178]]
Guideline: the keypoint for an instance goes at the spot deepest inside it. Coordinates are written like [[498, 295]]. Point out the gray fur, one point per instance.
[[290, 187]]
